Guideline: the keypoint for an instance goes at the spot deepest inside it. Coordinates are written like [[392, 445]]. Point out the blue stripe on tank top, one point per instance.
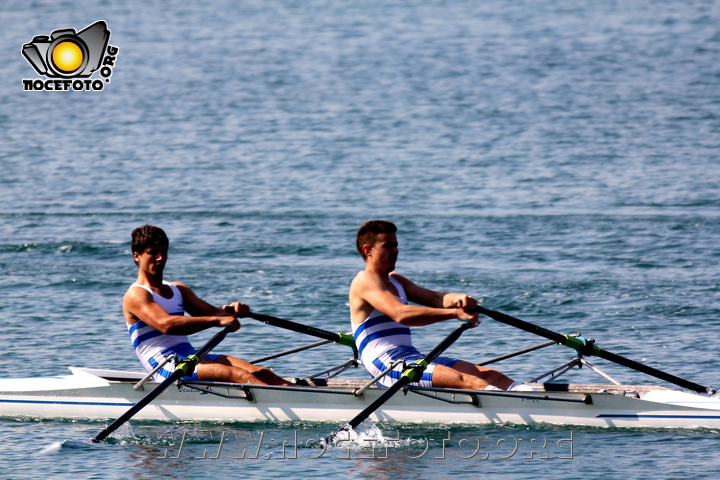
[[137, 325], [385, 333], [380, 319], [147, 336], [377, 321]]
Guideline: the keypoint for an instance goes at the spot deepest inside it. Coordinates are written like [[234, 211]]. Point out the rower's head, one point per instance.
[[148, 236], [368, 233]]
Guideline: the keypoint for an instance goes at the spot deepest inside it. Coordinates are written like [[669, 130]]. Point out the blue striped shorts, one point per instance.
[[410, 355], [183, 352]]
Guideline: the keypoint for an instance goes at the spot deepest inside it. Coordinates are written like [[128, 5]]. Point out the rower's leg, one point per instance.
[[231, 369], [468, 376]]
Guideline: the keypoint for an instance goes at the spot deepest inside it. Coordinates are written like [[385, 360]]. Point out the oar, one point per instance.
[[183, 369], [341, 338], [411, 374], [592, 349]]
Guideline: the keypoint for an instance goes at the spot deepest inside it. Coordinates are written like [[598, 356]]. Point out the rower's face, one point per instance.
[[384, 251], [153, 259]]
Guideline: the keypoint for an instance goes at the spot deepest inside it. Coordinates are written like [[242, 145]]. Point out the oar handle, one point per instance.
[[523, 325], [341, 338]]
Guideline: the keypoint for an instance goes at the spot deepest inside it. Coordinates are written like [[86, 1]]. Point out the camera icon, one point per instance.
[[67, 54]]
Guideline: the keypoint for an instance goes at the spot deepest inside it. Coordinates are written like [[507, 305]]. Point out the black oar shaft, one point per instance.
[[288, 352], [342, 339], [681, 382], [138, 406], [394, 388], [515, 354], [523, 325], [445, 344], [407, 377], [213, 342], [179, 372], [595, 350]]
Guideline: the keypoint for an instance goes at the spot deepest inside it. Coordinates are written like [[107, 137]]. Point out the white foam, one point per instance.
[[366, 436], [52, 449]]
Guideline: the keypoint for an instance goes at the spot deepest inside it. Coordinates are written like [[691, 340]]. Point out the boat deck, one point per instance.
[[355, 383]]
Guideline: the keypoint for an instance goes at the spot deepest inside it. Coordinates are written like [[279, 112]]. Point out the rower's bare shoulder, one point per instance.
[[359, 306], [359, 278], [366, 281], [136, 294], [397, 276], [357, 285], [186, 292], [134, 300], [405, 282]]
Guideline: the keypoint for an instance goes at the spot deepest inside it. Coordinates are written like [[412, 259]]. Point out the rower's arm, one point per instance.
[[195, 305], [369, 289], [420, 295], [431, 298], [138, 304]]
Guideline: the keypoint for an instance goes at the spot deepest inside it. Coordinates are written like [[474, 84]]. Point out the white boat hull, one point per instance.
[[102, 395]]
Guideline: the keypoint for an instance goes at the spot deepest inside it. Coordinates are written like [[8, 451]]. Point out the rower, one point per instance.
[[155, 316], [381, 316]]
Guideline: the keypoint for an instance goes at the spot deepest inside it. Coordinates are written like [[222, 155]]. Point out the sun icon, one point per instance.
[[67, 56]]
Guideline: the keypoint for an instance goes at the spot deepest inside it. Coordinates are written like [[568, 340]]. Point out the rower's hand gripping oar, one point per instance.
[[591, 349], [341, 338], [183, 369], [411, 374]]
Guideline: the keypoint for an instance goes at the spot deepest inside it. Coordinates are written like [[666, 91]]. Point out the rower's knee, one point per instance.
[[472, 382], [241, 376], [263, 375], [497, 379], [263, 372], [476, 377]]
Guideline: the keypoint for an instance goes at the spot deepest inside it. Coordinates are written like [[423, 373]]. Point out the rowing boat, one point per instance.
[[96, 394]]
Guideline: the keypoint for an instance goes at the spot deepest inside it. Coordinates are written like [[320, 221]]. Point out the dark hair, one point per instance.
[[148, 236], [368, 231]]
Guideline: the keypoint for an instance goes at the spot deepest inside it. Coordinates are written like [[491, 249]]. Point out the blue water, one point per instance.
[[557, 159]]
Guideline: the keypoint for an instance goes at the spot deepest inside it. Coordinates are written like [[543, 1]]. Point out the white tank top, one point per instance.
[[380, 333], [151, 345]]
